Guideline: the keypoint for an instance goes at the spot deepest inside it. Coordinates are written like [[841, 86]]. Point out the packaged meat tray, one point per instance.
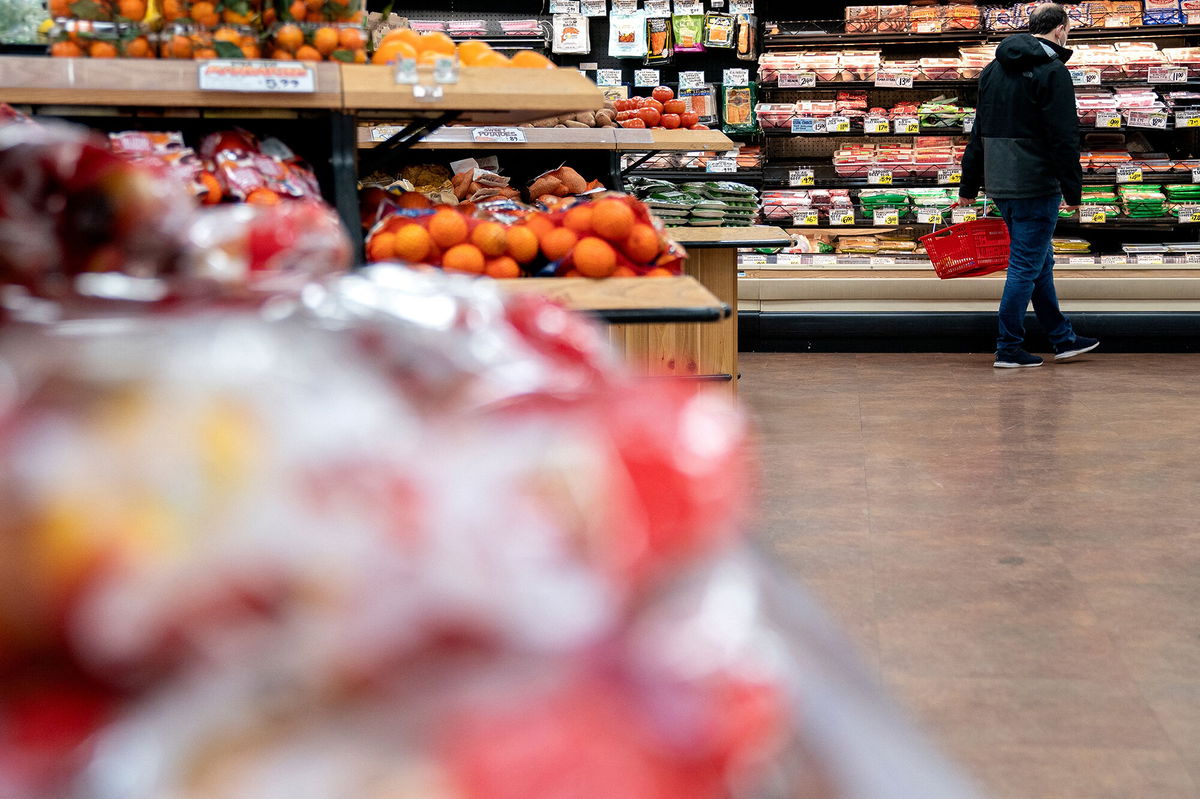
[[963, 18], [862, 19], [926, 19], [893, 19]]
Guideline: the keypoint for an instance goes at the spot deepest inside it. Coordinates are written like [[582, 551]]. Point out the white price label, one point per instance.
[[564, 7], [825, 260], [1084, 77], [1109, 119], [1148, 119], [499, 135], [594, 8], [906, 125], [689, 7], [625, 6], [736, 77], [1167, 75], [876, 125], [658, 8], [961, 215], [1189, 214], [1093, 217], [879, 177], [385, 132], [741, 6], [929, 216], [608, 77], [887, 217], [882, 260], [806, 219], [893, 80], [949, 177], [1147, 259], [1081, 260], [256, 76], [801, 177], [1192, 257], [1114, 259], [841, 218], [721, 165], [1187, 120], [646, 78], [751, 259], [1129, 174], [838, 125], [968, 123], [1196, 175], [691, 80], [809, 125], [797, 80]]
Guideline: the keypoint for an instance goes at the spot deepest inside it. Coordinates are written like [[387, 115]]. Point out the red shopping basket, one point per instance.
[[968, 249]]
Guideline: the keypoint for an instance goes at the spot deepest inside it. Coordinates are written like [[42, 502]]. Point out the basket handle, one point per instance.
[[949, 207]]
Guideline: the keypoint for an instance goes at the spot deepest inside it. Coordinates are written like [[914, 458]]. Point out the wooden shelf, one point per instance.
[[725, 237], [628, 300], [136, 82], [488, 95], [459, 138], [634, 140]]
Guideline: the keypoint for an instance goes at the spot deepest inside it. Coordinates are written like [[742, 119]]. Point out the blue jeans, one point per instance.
[[1031, 224]]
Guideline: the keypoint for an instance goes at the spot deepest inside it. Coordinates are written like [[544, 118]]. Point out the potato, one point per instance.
[[587, 118], [573, 181], [570, 123]]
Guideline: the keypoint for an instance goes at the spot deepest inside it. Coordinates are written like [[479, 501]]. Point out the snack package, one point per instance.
[[746, 37], [737, 108], [571, 34], [719, 30], [689, 32], [660, 49], [627, 35]]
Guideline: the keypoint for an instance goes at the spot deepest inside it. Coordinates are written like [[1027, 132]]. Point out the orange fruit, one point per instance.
[[307, 53], [412, 243], [228, 35], [414, 200], [65, 50], [594, 257], [472, 50], [138, 48], [102, 50], [381, 247], [212, 187], [314, 16], [557, 243], [448, 228], [134, 10], [406, 35], [205, 53], [437, 42], [234, 18], [643, 245], [579, 219], [528, 59], [289, 37], [262, 196], [428, 58], [351, 39], [623, 271], [61, 8], [502, 267], [539, 223], [612, 219], [268, 17], [297, 11], [325, 39], [522, 243], [392, 52], [659, 271], [169, 9], [360, 56], [282, 55], [314, 5], [463, 258], [251, 51], [205, 13], [492, 59], [491, 238], [180, 47]]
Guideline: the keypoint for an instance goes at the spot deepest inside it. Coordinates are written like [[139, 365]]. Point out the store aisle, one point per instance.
[[1017, 553]]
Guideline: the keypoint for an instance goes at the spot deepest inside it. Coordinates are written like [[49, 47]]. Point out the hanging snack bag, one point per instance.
[[702, 102], [571, 34], [718, 30], [745, 37], [689, 32], [658, 41], [737, 109], [627, 35]]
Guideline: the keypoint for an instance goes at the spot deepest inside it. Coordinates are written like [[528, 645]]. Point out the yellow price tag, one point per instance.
[[1193, 122], [1097, 217], [806, 219]]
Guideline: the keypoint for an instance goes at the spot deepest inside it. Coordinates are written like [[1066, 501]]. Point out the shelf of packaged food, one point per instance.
[[463, 138], [483, 95], [763, 265], [784, 40], [776, 178], [835, 85], [856, 132], [640, 141], [749, 176], [628, 300], [864, 223], [167, 83]]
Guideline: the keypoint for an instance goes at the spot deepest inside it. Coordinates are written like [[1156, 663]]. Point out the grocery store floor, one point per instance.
[[1015, 552]]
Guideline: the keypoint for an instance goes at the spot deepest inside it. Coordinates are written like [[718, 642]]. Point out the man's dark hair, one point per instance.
[[1046, 18]]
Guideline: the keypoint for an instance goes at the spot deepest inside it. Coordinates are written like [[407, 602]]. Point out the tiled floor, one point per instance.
[[1016, 552]]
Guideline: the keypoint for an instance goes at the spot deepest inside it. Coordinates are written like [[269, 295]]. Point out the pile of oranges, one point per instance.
[[328, 42], [607, 237], [427, 47], [85, 39], [185, 41]]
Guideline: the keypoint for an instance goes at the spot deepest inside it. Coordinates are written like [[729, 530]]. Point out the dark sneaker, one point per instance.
[[1016, 360], [1078, 346]]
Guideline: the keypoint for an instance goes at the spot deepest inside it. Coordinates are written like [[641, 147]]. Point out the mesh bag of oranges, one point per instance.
[[85, 39], [194, 41], [98, 10], [318, 10], [317, 42], [607, 235]]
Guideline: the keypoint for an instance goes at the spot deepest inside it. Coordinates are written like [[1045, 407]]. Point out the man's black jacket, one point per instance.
[[1025, 142]]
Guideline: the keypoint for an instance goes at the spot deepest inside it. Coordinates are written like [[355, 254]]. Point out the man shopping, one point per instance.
[[1024, 150]]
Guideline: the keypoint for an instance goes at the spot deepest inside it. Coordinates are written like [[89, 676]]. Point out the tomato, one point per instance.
[[649, 115], [662, 94], [624, 115], [639, 101], [698, 127], [670, 121], [633, 123], [688, 118], [655, 104], [674, 107]]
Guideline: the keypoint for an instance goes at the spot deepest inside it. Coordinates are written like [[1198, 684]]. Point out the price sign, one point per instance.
[[691, 80], [876, 125], [645, 77], [721, 165], [879, 177], [893, 80], [594, 8], [1114, 259], [256, 76], [824, 260], [625, 6], [751, 259], [907, 125], [1129, 174], [1189, 214], [1167, 75], [882, 260], [1093, 217], [968, 123], [809, 125], [1196, 175], [797, 80], [1148, 119], [841, 218], [1109, 119], [801, 177], [805, 219], [498, 135], [1146, 259], [736, 77], [887, 217], [658, 8], [689, 7], [838, 125], [949, 177], [1080, 260], [960, 215], [1188, 120], [564, 7], [1084, 77], [1192, 258], [608, 77], [929, 216], [741, 6]]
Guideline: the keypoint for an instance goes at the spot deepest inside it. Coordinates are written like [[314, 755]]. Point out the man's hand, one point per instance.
[[1071, 208], [964, 202]]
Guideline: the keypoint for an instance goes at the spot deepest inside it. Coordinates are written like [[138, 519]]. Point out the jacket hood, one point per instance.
[[1023, 51]]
